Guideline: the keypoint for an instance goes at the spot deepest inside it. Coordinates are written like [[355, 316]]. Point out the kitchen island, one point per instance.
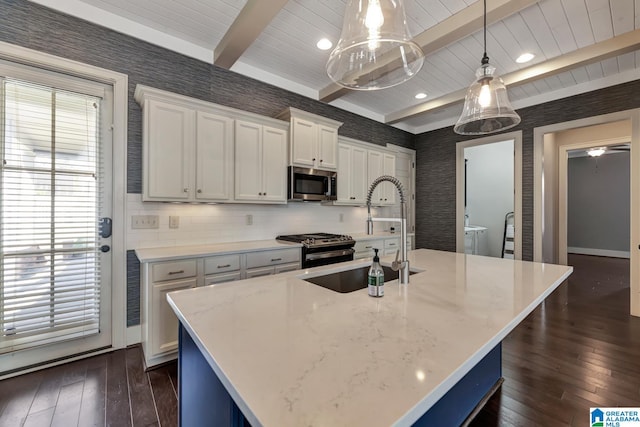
[[280, 351]]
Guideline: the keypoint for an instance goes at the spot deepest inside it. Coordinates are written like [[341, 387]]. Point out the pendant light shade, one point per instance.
[[375, 50], [486, 106]]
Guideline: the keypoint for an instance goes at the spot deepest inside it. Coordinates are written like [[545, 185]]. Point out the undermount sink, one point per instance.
[[351, 280]]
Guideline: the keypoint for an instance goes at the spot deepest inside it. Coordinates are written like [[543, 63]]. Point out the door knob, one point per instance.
[[105, 248]]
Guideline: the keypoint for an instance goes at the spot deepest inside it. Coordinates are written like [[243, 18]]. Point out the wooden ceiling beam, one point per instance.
[[254, 17], [619, 45], [456, 27]]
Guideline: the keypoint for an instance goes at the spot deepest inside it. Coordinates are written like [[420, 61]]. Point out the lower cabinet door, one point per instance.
[[287, 267], [164, 323], [216, 279], [262, 271]]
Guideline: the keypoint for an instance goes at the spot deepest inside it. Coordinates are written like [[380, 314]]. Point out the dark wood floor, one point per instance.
[[110, 389], [578, 350]]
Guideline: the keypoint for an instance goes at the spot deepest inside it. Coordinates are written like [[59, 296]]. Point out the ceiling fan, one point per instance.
[[599, 151]]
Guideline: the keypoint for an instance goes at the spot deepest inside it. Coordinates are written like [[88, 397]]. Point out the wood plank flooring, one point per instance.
[[579, 349], [106, 390]]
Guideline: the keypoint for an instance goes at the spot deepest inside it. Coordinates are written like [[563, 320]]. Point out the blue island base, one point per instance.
[[203, 400]]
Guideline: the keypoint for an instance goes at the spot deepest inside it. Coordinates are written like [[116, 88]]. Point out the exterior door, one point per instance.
[[55, 190]]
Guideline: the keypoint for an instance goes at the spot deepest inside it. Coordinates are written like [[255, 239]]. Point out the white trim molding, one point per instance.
[[538, 185], [516, 136], [599, 252], [119, 83]]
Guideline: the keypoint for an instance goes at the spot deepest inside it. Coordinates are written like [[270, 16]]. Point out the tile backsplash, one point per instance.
[[219, 223]]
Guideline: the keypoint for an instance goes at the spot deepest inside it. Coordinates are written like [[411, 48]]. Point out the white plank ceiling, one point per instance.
[[284, 53]]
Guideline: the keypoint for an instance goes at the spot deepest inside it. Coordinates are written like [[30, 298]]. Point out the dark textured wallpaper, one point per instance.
[[436, 163]]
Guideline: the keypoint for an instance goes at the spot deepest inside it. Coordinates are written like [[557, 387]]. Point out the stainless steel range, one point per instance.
[[322, 248]]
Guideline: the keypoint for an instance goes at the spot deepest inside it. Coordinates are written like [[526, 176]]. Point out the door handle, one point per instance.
[[105, 227]]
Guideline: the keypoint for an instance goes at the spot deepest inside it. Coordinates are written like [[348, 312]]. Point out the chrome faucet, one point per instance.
[[397, 265]]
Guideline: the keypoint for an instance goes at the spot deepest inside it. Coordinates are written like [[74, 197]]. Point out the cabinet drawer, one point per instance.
[[173, 270], [392, 243], [368, 245], [278, 256], [215, 279], [258, 272], [287, 267], [221, 264]]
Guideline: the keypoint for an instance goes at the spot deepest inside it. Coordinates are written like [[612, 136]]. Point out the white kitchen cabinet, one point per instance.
[[352, 175], [158, 322], [168, 138], [187, 149], [313, 140], [159, 325], [260, 163], [214, 157], [391, 245], [264, 263], [385, 245], [381, 163], [164, 332]]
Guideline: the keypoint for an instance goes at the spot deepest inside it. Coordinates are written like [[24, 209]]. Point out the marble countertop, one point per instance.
[[191, 251], [377, 235], [291, 353]]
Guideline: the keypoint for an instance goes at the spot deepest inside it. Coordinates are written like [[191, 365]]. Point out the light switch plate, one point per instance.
[[142, 222]]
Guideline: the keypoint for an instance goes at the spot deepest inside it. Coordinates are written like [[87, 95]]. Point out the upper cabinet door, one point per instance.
[[359, 186], [304, 134], [327, 147], [375, 170], [390, 190], [344, 173], [167, 144], [248, 162], [274, 166], [214, 157]]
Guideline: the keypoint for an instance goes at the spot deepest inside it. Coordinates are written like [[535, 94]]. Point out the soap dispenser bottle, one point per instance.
[[376, 277]]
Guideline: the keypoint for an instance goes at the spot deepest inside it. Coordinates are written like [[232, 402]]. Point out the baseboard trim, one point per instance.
[[134, 335], [599, 252]]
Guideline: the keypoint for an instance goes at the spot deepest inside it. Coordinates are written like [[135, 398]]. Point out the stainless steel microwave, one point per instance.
[[312, 184]]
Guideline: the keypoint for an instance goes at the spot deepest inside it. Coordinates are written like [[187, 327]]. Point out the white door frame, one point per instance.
[[119, 82], [563, 188], [538, 201], [517, 185]]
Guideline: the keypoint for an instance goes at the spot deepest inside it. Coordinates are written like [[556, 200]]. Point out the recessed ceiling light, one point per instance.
[[421, 95], [525, 57], [324, 44]]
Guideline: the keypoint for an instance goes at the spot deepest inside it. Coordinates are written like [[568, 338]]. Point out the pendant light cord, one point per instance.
[[485, 58]]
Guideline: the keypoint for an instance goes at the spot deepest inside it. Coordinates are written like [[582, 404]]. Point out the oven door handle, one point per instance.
[[329, 254]]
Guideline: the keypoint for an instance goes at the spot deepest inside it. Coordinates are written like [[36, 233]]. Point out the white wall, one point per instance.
[[598, 218], [490, 189], [205, 224]]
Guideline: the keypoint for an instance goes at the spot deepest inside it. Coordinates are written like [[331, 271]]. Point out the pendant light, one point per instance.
[[375, 50], [486, 106]]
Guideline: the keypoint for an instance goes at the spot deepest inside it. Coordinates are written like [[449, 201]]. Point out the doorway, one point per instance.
[[547, 233], [482, 218]]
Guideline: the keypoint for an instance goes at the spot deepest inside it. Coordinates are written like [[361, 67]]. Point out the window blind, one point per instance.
[[49, 208]]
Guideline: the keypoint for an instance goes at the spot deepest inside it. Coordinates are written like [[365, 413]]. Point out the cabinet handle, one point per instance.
[[368, 247], [392, 244], [185, 190], [224, 266], [259, 194], [276, 259], [264, 194], [313, 160], [320, 160], [199, 190], [352, 198], [176, 272]]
